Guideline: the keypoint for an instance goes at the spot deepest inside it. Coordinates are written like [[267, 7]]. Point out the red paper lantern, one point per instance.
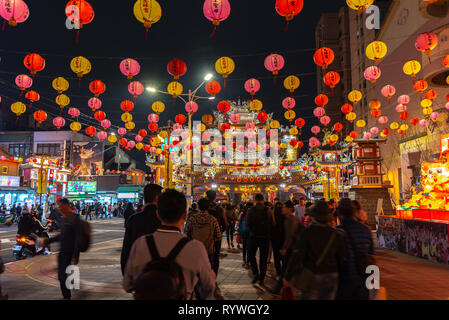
[[97, 87], [224, 106], [321, 100], [347, 108], [34, 63], [405, 115], [386, 131], [354, 134], [338, 127], [127, 105], [431, 95], [300, 122], [90, 131], [332, 78], [225, 126], [180, 118], [262, 117], [414, 121], [376, 113], [420, 86], [289, 8], [100, 115], [213, 88], [32, 96], [123, 142], [40, 116], [293, 142], [153, 127], [323, 57], [300, 144], [143, 133], [146, 148], [176, 68]]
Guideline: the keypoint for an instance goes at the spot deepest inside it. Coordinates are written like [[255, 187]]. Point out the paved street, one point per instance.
[[403, 276]]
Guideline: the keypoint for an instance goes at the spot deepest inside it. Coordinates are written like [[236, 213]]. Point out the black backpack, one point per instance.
[[162, 278], [84, 235]]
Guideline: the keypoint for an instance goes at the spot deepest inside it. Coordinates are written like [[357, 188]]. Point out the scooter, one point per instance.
[[6, 220], [26, 247]]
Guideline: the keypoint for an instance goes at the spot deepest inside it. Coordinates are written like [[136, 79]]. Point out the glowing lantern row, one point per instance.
[[147, 12], [158, 107], [216, 11], [136, 88], [34, 63], [94, 104], [62, 100], [213, 88], [80, 66], [59, 122], [292, 83], [376, 51], [191, 107], [130, 68], [75, 126], [40, 116], [175, 89], [252, 86], [288, 103], [60, 85], [359, 5], [323, 57], [372, 73], [24, 82], [14, 11], [18, 108], [426, 42], [177, 68], [224, 67], [97, 87]]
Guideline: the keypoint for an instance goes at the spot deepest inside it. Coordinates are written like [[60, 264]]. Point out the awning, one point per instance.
[[129, 189]]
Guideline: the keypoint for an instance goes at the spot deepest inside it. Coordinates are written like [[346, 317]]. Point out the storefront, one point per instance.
[[131, 193]]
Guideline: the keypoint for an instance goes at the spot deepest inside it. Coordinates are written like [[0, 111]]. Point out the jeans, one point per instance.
[[230, 234], [263, 245], [322, 287], [64, 261]]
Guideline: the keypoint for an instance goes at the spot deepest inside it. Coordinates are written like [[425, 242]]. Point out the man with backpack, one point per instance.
[[166, 264], [259, 222]]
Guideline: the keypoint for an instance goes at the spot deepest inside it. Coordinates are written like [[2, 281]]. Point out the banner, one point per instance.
[[86, 155]]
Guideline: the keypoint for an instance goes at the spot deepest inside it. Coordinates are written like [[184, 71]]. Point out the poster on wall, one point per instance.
[[86, 155]]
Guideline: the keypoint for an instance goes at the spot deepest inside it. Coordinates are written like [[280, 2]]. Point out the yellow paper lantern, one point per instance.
[[283, 145], [130, 125], [75, 126], [412, 68], [404, 127], [293, 131], [80, 66], [292, 83], [154, 142], [359, 5], [163, 134], [426, 103], [207, 119], [351, 116], [334, 137], [158, 107], [349, 139], [18, 108], [394, 126], [139, 146], [427, 111], [60, 84], [355, 96], [256, 105], [62, 100], [175, 88], [147, 12], [375, 104], [112, 139], [225, 66], [158, 151], [360, 123], [127, 117], [383, 135], [275, 124], [376, 50], [290, 115]]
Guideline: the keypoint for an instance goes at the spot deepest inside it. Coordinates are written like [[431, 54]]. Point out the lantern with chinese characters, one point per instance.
[[177, 68], [59, 122], [80, 66], [127, 105], [207, 119], [351, 116], [24, 82], [323, 57], [414, 121], [123, 142], [394, 126], [130, 125], [147, 12], [175, 88], [216, 11], [404, 99], [431, 94], [74, 112], [376, 51], [252, 86], [388, 91], [331, 79], [94, 104], [262, 117], [256, 105], [34, 63], [40, 116], [289, 8], [75, 126], [300, 122], [234, 118], [99, 115], [158, 107], [127, 117], [105, 124], [426, 103], [213, 88], [293, 131], [18, 108], [121, 131], [359, 5], [33, 96], [60, 85], [153, 118], [153, 127], [130, 68], [291, 83], [321, 100], [376, 113], [375, 104], [139, 146], [355, 96], [360, 123], [338, 127], [14, 11], [97, 87], [101, 135], [180, 118], [135, 88], [191, 107], [224, 107], [290, 115], [288, 103], [372, 73], [401, 108], [224, 67], [319, 112], [426, 42], [62, 100], [412, 68], [353, 134], [347, 108], [404, 115], [325, 120], [274, 63], [420, 86]]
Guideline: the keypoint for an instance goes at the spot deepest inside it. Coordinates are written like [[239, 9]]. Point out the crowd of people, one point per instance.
[[320, 250]]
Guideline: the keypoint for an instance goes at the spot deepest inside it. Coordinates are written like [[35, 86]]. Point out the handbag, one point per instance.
[[303, 280], [363, 260]]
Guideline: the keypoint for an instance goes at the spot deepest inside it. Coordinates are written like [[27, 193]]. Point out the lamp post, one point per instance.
[[191, 96]]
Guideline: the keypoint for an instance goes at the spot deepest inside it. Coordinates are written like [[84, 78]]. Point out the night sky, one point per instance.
[[253, 31]]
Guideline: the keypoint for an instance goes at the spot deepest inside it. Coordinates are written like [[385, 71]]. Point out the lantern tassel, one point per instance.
[[274, 79], [77, 37], [224, 83], [79, 83], [213, 32], [286, 27], [4, 25], [146, 34]]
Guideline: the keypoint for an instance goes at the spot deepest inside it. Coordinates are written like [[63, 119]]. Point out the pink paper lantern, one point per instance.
[[447, 106], [374, 131], [135, 88], [105, 124], [153, 149], [59, 122], [434, 115], [314, 142], [383, 120], [23, 81], [74, 112], [234, 118], [216, 10], [205, 135], [191, 107], [367, 135], [130, 68], [121, 131], [14, 11], [401, 108], [325, 120], [315, 130], [404, 99], [426, 42], [102, 135], [423, 122], [139, 138], [288, 103], [388, 91], [372, 73], [274, 63], [319, 112], [153, 118], [131, 144], [94, 103], [252, 86]]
